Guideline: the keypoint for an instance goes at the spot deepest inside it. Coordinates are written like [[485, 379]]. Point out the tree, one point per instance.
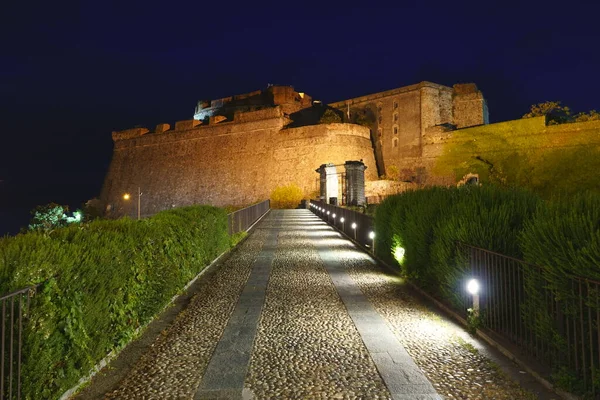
[[362, 116], [330, 117], [554, 112], [593, 115], [48, 217], [93, 209]]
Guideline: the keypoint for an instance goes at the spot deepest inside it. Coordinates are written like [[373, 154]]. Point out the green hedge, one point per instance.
[[425, 225], [562, 235], [419, 230], [103, 280]]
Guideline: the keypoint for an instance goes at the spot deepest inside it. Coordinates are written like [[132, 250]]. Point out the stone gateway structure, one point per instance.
[[236, 150]]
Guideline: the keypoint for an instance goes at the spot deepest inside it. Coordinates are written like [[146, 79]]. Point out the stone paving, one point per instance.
[[307, 345], [445, 352], [299, 313]]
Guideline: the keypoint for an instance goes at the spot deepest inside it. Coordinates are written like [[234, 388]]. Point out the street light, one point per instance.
[[372, 237], [342, 221], [354, 227], [327, 216], [127, 196]]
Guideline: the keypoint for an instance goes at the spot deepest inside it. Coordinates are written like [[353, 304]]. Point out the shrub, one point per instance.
[[563, 237], [330, 116], [103, 281], [420, 228], [286, 196], [419, 231]]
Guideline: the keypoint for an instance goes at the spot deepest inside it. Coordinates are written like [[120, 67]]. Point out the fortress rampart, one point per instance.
[[228, 163]]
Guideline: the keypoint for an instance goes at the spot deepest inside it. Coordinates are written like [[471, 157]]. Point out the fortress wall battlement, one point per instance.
[[227, 164], [202, 131]]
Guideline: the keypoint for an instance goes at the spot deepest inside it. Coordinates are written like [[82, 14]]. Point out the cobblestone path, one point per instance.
[[299, 313]]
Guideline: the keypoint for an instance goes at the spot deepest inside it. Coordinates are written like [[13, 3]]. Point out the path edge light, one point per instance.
[[473, 288]]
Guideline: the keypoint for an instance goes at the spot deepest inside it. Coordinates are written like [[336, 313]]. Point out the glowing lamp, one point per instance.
[[473, 286], [342, 220], [333, 216], [126, 196], [354, 225], [371, 235], [399, 254]]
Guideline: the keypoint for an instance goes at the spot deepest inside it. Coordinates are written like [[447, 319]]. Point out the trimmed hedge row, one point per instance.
[[419, 230], [562, 235], [103, 281]]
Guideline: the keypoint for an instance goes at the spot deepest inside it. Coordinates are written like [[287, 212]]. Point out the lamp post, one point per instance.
[[327, 216], [473, 289], [343, 225], [127, 196], [354, 228], [372, 237]]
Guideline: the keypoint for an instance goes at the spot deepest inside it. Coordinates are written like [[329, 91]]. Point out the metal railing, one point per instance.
[[241, 220], [556, 321], [15, 309], [344, 220]]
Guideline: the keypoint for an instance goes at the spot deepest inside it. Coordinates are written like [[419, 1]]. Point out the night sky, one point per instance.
[[72, 72]]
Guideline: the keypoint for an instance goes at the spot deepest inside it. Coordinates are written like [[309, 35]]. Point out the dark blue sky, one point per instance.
[[71, 72]]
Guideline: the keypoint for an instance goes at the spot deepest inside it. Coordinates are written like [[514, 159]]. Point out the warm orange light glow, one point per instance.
[[126, 196]]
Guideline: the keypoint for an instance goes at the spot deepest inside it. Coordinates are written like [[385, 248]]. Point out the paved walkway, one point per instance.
[[297, 312]]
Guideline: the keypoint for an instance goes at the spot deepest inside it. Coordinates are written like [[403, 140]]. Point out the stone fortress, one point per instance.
[[237, 149]]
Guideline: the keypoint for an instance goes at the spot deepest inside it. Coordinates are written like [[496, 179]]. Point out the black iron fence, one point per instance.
[[241, 220], [554, 319], [355, 225], [15, 309]]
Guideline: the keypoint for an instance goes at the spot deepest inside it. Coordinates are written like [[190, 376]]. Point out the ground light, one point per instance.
[[327, 216], [342, 221], [473, 289], [399, 254], [354, 228], [372, 237]]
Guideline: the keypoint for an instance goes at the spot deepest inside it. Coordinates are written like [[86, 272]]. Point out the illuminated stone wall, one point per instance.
[[229, 163], [405, 115]]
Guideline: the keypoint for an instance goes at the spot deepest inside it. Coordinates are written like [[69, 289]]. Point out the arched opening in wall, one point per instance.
[[379, 132], [469, 179], [395, 117], [395, 143], [395, 104], [395, 130]]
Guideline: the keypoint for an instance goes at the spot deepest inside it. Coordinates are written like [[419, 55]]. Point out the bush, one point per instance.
[[419, 231], [330, 116], [103, 281], [288, 196], [420, 228]]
